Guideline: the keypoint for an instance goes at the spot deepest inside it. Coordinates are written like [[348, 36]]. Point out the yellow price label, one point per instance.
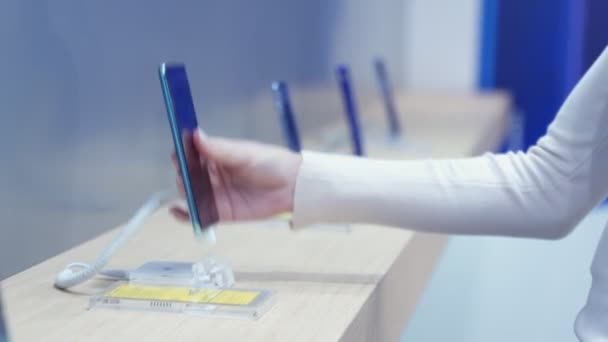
[[184, 294]]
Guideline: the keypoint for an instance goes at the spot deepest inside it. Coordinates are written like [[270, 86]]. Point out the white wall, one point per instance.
[[441, 44], [365, 30]]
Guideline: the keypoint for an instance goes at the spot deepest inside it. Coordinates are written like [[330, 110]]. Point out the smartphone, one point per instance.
[[387, 97], [350, 107], [195, 174], [288, 120]]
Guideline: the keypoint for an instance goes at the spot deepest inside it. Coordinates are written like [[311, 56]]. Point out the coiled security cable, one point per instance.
[[79, 272]]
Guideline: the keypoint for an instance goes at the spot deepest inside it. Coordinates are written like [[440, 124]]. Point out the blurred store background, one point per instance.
[[84, 137]]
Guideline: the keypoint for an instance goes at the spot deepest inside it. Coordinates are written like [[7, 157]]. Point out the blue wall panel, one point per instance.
[[488, 44], [536, 40], [596, 30]]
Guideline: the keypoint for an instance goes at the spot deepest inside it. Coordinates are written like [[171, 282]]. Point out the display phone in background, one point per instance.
[[182, 119]]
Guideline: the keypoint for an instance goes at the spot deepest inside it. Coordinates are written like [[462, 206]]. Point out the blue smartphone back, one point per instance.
[[182, 119], [179, 89]]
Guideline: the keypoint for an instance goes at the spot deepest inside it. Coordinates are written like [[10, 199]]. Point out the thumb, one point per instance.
[[220, 151]]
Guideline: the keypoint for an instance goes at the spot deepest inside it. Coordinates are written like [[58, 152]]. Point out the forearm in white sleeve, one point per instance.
[[541, 193]]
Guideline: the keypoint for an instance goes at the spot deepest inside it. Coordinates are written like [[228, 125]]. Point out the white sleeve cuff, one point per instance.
[[319, 186]]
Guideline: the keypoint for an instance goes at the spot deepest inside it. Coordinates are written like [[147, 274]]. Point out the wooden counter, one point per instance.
[[360, 285]]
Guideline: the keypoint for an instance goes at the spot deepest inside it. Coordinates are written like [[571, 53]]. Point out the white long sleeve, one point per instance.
[[542, 193]]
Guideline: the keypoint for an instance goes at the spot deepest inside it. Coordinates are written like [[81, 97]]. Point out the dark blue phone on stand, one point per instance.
[[387, 97], [352, 116], [288, 120], [182, 119]]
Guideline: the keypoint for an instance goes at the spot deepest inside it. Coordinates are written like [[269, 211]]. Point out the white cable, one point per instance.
[[78, 272]]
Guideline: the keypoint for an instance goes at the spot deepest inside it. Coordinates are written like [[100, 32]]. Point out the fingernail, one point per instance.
[[201, 133]]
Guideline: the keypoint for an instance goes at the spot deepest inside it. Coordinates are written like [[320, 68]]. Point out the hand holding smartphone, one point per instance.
[[194, 171]]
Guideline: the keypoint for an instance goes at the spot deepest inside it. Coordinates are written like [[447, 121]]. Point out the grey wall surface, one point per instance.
[[84, 137]]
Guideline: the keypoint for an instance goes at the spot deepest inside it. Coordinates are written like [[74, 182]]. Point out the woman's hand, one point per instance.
[[248, 180]]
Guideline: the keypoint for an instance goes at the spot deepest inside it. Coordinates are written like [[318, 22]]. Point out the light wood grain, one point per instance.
[[360, 285]]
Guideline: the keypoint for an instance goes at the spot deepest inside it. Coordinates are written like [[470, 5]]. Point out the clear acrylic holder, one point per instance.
[[203, 288]]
